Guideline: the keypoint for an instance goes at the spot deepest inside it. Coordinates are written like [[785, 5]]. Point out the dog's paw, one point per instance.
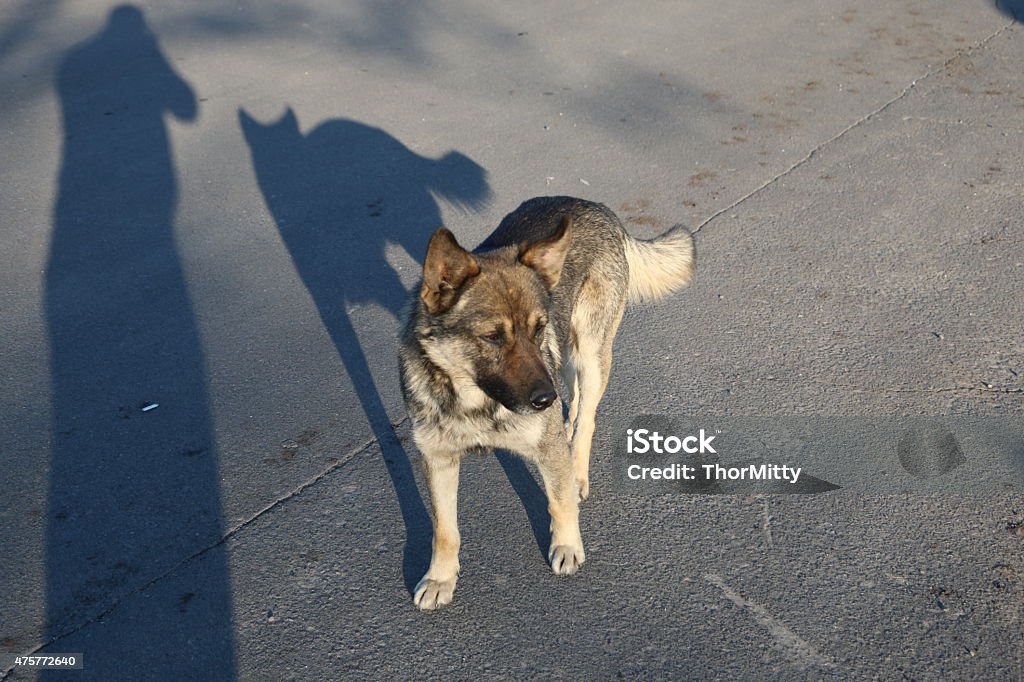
[[566, 559], [583, 489], [433, 594]]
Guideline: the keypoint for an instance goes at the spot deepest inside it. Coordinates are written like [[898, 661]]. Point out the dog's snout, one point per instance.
[[542, 397]]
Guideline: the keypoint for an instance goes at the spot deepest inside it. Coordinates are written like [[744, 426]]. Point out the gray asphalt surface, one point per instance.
[[173, 236]]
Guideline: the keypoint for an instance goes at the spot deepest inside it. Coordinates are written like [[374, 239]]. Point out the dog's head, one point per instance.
[[488, 316]]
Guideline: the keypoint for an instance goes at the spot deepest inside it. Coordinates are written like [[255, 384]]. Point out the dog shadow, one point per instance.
[[342, 195]]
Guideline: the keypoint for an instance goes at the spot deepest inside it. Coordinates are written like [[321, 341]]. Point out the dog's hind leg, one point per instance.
[[592, 383], [438, 585], [593, 366], [571, 385]]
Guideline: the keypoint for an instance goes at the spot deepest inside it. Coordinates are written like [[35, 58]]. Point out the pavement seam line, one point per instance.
[[863, 119], [334, 466], [940, 389]]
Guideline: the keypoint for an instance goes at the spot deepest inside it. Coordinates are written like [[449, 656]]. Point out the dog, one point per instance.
[[541, 297]]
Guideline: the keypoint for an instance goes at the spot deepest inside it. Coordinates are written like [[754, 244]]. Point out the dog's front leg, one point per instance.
[[555, 463], [438, 585]]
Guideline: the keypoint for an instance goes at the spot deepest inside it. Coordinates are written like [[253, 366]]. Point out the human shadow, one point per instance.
[[341, 195], [134, 481]]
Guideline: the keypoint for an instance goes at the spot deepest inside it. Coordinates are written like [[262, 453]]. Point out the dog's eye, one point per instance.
[[493, 337], [539, 331]]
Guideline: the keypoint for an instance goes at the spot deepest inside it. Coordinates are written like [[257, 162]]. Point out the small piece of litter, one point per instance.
[[585, 182], [150, 406]]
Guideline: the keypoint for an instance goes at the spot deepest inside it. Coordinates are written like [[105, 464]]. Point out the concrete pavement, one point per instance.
[[173, 236]]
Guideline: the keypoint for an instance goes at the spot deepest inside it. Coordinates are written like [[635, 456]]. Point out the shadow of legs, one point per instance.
[[534, 500], [418, 529]]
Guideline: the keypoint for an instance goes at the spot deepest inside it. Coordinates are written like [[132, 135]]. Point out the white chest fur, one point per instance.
[[458, 434]]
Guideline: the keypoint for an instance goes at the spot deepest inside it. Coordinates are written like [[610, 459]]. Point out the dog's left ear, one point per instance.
[[547, 256], [446, 269]]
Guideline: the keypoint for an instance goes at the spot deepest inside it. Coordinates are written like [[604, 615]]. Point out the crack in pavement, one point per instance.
[[863, 119], [766, 524], [235, 530], [800, 653]]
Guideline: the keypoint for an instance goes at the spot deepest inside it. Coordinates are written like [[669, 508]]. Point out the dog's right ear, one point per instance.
[[447, 268], [547, 256]]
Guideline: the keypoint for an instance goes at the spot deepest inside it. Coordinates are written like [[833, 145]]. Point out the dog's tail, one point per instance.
[[659, 266]]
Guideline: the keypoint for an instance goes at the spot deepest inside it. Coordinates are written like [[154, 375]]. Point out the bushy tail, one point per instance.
[[659, 266]]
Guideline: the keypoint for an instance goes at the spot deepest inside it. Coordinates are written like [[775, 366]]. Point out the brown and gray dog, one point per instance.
[[489, 331]]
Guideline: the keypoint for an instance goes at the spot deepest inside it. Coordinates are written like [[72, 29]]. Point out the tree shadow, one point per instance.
[[1011, 8], [131, 490], [341, 195], [22, 24]]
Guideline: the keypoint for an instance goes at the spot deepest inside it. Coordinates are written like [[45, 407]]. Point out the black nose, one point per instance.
[[542, 398]]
